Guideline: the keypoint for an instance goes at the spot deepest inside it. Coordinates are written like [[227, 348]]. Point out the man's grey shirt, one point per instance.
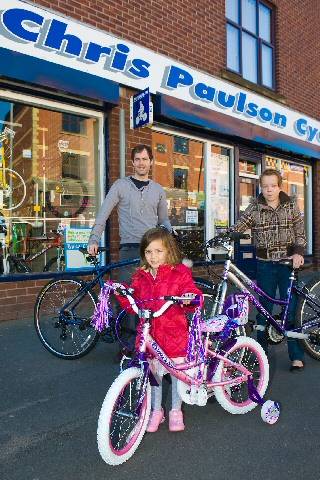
[[138, 210]]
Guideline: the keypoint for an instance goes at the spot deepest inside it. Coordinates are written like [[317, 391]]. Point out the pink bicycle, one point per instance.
[[234, 369]]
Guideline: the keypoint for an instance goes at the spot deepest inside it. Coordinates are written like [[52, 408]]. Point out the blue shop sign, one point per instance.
[[141, 111]]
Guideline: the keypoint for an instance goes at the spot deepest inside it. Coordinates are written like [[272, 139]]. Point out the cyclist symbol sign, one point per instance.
[[141, 111]]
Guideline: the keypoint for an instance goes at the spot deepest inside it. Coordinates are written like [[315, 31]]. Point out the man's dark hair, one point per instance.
[[139, 148], [271, 171]]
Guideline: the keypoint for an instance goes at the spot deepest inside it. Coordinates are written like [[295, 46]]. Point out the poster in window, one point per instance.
[[74, 239], [219, 190], [192, 217]]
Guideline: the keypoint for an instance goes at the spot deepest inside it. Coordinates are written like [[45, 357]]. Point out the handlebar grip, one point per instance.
[[195, 300], [100, 250]]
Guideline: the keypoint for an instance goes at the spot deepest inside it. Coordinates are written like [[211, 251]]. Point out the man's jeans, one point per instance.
[[124, 275], [270, 276]]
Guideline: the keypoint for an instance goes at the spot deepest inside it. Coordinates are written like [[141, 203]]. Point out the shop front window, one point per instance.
[[180, 178], [179, 168], [48, 183], [248, 183], [218, 195]]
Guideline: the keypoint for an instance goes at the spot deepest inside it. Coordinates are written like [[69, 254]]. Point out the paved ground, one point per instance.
[[49, 409]]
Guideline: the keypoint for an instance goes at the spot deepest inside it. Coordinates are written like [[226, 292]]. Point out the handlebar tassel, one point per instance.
[[195, 346], [102, 313]]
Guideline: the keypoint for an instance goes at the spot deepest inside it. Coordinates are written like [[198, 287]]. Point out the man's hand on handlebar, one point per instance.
[[93, 249]]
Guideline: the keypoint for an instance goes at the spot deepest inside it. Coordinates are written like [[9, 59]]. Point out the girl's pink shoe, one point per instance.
[[176, 421], [156, 417]]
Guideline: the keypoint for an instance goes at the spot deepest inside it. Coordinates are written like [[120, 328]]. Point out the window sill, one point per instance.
[[233, 77], [75, 134]]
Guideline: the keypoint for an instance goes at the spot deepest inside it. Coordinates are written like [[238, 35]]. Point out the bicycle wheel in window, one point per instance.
[[235, 397], [123, 417], [306, 312], [66, 334], [68, 198], [13, 191]]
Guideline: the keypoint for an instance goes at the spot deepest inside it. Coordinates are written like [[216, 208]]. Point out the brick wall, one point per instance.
[[18, 299]]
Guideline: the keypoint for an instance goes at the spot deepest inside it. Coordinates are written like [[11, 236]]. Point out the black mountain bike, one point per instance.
[[64, 308]]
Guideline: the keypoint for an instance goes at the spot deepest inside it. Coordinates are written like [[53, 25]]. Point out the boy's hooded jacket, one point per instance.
[[170, 330], [278, 232]]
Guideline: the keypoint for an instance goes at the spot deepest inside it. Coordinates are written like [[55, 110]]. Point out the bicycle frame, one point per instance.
[[240, 280], [88, 286], [52, 243], [207, 362]]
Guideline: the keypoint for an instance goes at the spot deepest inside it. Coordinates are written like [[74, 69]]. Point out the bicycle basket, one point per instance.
[[236, 307]]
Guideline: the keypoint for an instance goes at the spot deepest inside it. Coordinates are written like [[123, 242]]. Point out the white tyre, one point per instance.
[[235, 397], [123, 417]]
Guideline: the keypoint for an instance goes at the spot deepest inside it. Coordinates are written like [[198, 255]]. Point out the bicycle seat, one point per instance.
[[215, 324]]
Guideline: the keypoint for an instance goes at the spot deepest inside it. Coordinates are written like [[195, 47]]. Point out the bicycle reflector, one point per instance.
[[236, 307]]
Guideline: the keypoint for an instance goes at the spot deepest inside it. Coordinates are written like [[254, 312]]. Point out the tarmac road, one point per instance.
[[49, 409]]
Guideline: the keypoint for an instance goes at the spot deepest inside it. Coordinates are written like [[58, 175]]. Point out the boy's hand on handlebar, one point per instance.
[[297, 260], [93, 249]]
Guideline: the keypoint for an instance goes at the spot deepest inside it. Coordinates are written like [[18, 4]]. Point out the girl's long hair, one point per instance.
[[173, 253]]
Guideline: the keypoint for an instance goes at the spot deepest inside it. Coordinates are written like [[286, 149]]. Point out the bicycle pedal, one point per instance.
[[108, 337]]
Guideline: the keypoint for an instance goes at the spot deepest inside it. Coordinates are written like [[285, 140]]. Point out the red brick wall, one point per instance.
[[18, 299], [297, 44]]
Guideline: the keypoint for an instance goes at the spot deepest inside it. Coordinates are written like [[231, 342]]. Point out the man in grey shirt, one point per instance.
[[141, 205]]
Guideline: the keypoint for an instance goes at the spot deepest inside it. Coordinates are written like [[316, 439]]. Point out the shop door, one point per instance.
[[248, 191]]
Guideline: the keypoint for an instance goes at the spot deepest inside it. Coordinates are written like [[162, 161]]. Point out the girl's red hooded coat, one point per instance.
[[170, 330]]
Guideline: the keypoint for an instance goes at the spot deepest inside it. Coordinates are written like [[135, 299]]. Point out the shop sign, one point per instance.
[[39, 33], [141, 109], [74, 239]]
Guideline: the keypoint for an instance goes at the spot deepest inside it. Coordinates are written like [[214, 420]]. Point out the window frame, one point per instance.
[[63, 107], [260, 43]]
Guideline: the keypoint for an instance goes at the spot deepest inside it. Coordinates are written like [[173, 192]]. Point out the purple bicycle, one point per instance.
[[234, 369], [307, 325]]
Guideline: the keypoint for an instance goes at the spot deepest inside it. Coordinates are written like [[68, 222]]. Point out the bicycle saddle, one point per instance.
[[215, 324]]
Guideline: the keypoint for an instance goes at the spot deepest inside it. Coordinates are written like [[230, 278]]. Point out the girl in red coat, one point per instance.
[[162, 273]]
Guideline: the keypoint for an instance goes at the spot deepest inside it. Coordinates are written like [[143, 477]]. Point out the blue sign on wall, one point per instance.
[[141, 109]]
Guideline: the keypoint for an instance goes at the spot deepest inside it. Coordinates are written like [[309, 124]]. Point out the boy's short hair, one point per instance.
[[268, 172], [139, 148]]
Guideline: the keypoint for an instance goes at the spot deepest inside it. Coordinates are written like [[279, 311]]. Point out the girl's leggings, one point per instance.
[[156, 395]]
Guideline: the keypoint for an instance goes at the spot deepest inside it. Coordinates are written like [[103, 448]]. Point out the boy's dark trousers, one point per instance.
[[270, 276]]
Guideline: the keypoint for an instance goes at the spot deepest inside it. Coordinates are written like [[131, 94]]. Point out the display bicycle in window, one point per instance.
[[33, 249], [12, 186], [67, 197]]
